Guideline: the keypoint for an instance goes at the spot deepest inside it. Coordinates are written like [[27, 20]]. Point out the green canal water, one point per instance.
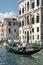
[[7, 58]]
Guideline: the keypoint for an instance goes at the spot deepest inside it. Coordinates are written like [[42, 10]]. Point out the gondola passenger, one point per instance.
[[19, 47]]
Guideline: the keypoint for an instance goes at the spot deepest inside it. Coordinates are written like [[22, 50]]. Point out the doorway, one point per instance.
[[27, 36]]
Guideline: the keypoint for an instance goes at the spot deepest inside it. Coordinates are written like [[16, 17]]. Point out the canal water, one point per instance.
[[7, 58]]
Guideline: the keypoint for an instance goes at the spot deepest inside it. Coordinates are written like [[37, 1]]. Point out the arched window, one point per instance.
[[33, 5], [23, 22], [37, 2], [19, 12], [37, 18], [27, 20], [23, 10], [20, 23], [33, 20], [27, 6]]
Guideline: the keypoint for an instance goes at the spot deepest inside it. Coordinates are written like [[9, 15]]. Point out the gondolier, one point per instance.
[[24, 46]]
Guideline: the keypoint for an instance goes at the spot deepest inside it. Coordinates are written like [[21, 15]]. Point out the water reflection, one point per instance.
[[24, 60]]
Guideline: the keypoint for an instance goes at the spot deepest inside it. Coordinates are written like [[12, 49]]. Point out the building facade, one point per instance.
[[10, 28], [1, 31], [31, 20]]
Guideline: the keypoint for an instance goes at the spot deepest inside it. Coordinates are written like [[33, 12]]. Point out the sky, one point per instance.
[[8, 8]]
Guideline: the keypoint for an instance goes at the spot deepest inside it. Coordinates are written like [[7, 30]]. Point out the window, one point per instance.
[[9, 23], [30, 36], [33, 37], [27, 20], [37, 29], [23, 10], [37, 36], [37, 2], [25, 32], [20, 38], [32, 29], [14, 30], [32, 5], [9, 30], [13, 23], [19, 12], [23, 37], [33, 20], [37, 18], [30, 32], [27, 6], [23, 23], [19, 24], [27, 36]]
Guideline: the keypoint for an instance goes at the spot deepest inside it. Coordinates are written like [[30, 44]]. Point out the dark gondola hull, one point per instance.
[[23, 52]]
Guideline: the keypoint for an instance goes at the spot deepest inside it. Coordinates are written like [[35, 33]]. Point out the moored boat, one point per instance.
[[26, 52]]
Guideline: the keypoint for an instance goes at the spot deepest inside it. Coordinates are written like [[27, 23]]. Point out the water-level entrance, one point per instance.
[[27, 36]]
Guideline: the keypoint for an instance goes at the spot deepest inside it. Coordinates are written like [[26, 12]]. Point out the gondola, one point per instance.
[[26, 52]]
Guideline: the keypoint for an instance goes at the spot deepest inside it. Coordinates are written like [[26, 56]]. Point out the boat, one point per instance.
[[25, 52]]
